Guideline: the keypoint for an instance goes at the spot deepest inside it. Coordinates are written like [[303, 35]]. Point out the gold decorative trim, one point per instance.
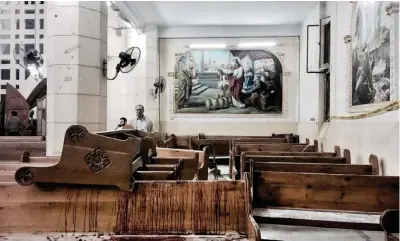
[[391, 107]]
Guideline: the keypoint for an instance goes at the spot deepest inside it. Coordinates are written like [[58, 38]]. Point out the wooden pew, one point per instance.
[[189, 165], [307, 163], [174, 210], [238, 148], [314, 168], [203, 158], [246, 147], [12, 150], [327, 200], [202, 136], [389, 221], [235, 141], [147, 172], [298, 164], [147, 144], [170, 142]]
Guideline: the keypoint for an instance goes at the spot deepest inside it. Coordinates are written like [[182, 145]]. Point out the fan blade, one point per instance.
[[19, 55], [131, 66], [163, 85]]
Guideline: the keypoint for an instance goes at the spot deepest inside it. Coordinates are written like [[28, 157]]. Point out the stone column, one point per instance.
[[76, 43], [116, 89], [140, 81]]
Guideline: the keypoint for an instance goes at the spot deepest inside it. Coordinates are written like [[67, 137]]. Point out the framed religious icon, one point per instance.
[[373, 50]]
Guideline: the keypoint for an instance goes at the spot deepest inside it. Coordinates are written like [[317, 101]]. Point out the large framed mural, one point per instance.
[[228, 82], [372, 76]]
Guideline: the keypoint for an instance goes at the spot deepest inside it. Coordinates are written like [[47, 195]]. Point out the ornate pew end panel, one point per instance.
[[89, 159], [153, 208]]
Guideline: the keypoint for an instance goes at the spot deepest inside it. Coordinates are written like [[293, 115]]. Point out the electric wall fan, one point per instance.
[[159, 86], [31, 60], [128, 61]]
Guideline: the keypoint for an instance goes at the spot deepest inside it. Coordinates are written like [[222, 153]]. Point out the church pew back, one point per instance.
[[244, 160], [175, 209], [155, 175], [284, 147], [189, 165], [203, 158], [238, 148], [289, 153], [314, 168], [325, 191]]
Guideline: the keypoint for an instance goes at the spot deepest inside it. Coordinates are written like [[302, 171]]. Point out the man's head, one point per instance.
[[14, 113], [139, 111], [122, 121]]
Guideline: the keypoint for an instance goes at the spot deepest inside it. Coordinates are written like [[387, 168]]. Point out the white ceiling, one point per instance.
[[192, 13]]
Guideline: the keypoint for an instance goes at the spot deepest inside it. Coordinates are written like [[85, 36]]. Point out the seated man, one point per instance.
[[141, 122], [14, 125], [122, 124]]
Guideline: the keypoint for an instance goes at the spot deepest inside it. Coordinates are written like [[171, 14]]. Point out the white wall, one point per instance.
[[231, 31], [208, 124], [309, 83], [377, 135]]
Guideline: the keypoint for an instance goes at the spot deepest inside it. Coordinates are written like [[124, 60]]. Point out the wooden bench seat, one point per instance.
[[321, 218], [330, 192]]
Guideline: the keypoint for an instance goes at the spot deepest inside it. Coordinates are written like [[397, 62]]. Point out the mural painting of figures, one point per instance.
[[228, 82], [370, 53]]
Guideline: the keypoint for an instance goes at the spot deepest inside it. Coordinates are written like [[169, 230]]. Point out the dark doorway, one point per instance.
[[327, 43], [327, 94], [327, 57]]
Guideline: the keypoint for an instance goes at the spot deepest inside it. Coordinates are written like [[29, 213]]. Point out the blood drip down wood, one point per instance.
[[156, 208]]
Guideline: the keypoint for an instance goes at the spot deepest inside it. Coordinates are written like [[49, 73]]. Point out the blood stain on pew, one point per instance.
[[160, 210]]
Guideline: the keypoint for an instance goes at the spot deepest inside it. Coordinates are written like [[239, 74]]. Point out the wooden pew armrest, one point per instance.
[[253, 230], [389, 221]]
